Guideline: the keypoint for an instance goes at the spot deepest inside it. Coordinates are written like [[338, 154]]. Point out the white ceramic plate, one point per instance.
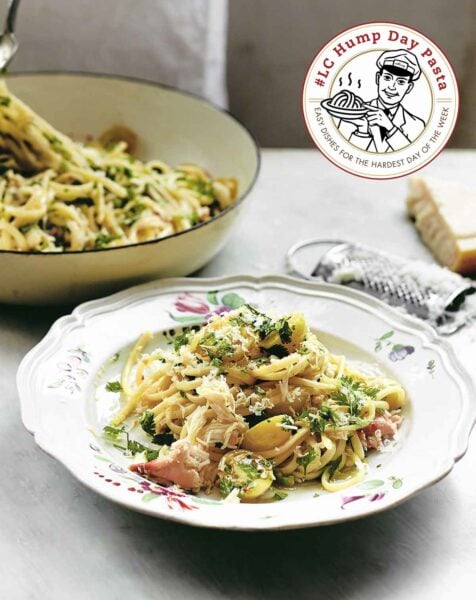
[[172, 126], [64, 401]]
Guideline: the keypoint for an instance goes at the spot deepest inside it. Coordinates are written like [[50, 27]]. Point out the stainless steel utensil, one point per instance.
[[427, 291], [8, 41]]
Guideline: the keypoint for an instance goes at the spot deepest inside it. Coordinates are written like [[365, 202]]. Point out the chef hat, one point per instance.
[[402, 59]]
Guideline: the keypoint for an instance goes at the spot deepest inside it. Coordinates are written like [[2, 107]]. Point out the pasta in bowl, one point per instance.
[[252, 405], [159, 184]]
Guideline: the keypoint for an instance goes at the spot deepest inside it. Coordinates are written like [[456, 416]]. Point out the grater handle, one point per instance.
[[295, 264]]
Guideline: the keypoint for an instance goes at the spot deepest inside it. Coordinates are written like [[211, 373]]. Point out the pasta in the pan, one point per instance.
[[58, 195]]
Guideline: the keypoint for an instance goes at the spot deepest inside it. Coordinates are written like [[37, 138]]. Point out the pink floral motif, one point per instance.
[[189, 303], [198, 309], [348, 499], [371, 498], [396, 482], [174, 499], [72, 371]]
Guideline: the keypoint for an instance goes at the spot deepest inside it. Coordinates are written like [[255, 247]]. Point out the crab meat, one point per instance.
[[383, 427], [183, 465]]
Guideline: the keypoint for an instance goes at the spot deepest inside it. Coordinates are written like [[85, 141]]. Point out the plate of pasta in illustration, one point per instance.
[[346, 105], [247, 403]]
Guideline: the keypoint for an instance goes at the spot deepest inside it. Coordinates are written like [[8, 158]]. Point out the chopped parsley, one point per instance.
[[58, 146], [215, 347], [333, 466], [284, 330], [353, 394], [113, 386], [287, 423], [226, 486], [306, 459], [201, 186], [181, 340], [251, 471], [5, 100], [103, 239], [133, 214], [164, 439], [26, 228], [113, 434], [318, 421], [279, 494], [330, 415], [114, 358], [265, 326], [239, 321], [194, 219], [255, 418], [284, 480], [119, 202], [147, 422], [242, 473], [119, 437], [276, 350], [327, 418], [134, 448]]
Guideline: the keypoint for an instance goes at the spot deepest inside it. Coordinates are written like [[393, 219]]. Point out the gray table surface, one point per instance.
[[61, 540]]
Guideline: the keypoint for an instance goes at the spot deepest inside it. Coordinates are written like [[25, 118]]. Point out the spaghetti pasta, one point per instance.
[[58, 195], [250, 402]]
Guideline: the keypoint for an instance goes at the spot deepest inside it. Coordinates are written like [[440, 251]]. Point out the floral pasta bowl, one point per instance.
[[67, 392]]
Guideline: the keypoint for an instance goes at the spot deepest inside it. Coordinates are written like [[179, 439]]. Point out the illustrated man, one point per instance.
[[388, 126]]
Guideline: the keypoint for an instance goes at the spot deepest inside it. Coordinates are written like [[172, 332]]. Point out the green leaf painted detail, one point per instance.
[[82, 353], [206, 501], [371, 485], [103, 458], [196, 319], [57, 384], [212, 297], [382, 338], [397, 482], [149, 496], [232, 300], [430, 367]]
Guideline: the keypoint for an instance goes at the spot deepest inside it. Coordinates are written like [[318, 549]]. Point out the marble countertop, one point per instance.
[[59, 539]]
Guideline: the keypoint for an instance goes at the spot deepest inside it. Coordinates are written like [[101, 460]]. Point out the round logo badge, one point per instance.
[[380, 100]]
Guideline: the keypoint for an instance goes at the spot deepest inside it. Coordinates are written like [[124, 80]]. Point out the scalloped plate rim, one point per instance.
[[427, 335]]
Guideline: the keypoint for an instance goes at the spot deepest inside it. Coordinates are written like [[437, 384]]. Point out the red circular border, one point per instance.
[[303, 111]]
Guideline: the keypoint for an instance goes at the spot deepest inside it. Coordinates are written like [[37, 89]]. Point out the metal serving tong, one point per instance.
[[8, 41], [427, 291]]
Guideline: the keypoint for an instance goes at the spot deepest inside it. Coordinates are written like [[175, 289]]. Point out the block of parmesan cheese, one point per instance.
[[445, 215]]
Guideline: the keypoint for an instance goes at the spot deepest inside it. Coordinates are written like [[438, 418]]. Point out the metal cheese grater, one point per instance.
[[426, 291]]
